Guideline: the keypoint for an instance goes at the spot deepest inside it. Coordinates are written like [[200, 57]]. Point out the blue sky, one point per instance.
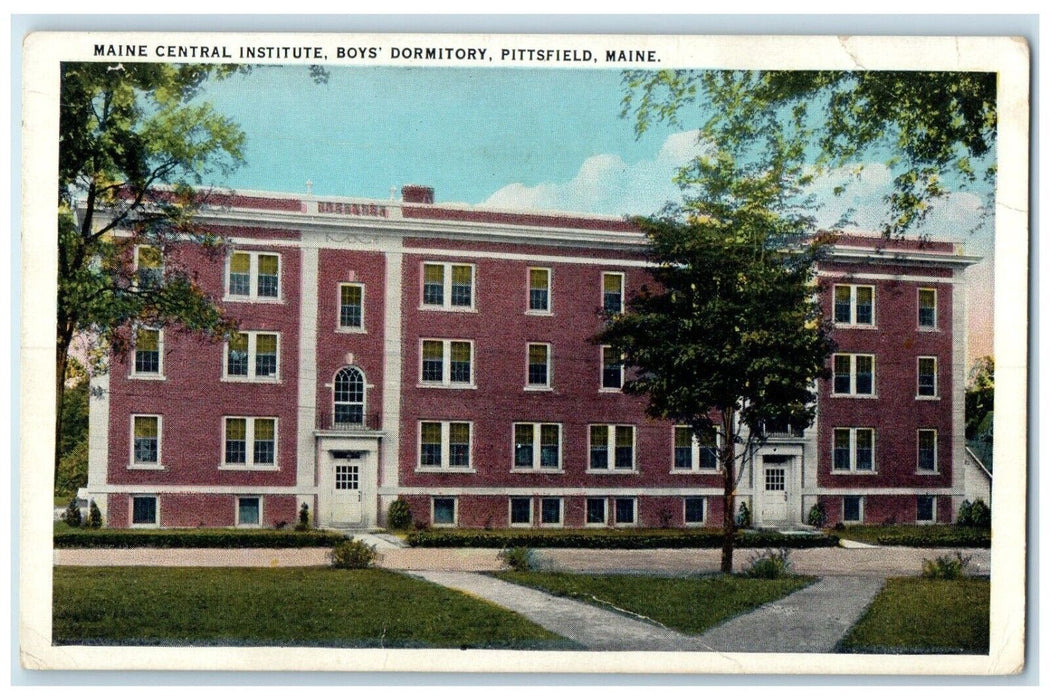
[[516, 139]]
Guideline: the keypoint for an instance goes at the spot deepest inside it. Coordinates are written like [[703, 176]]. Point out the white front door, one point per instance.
[[775, 494], [346, 493]]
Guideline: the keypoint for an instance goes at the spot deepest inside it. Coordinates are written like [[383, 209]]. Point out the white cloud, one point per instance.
[[606, 184]]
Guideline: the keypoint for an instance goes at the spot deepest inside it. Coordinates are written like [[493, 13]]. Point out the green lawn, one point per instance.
[[295, 606], [689, 605], [924, 616]]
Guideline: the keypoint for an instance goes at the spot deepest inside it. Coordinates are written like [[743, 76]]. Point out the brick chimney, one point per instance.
[[417, 194]]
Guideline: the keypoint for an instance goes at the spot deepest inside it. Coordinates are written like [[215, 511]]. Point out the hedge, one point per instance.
[[204, 539], [961, 538], [619, 539]]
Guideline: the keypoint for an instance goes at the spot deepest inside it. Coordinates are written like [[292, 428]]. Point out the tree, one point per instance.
[[980, 407], [928, 126], [731, 336], [134, 144]]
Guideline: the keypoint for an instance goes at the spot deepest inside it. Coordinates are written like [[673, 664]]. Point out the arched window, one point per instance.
[[349, 397]]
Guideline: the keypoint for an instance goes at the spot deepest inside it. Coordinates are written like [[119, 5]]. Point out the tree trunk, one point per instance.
[[61, 360], [728, 455]]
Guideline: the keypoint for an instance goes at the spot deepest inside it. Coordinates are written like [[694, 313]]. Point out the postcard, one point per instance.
[[524, 353]]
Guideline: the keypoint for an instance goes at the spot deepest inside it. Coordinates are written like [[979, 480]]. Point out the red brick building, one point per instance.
[[442, 354]]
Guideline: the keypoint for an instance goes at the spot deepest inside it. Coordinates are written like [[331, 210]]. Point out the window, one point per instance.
[[252, 355], [927, 385], [927, 461], [144, 510], [854, 450], [249, 511], [595, 511], [538, 374], [521, 511], [614, 440], [926, 509], [444, 445], [254, 275], [691, 453], [855, 304], [447, 363], [147, 353], [149, 266], [852, 509], [349, 397], [612, 369], [694, 510], [550, 511], [539, 290], [854, 375], [145, 444], [351, 307], [249, 443], [612, 292], [444, 511], [928, 309], [624, 511], [448, 286], [537, 446]]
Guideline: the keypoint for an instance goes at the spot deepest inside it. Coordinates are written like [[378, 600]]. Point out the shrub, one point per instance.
[[517, 558], [72, 515], [399, 516], [304, 518], [94, 516], [611, 539], [743, 516], [818, 515], [352, 554], [773, 564], [976, 514], [225, 538], [946, 567]]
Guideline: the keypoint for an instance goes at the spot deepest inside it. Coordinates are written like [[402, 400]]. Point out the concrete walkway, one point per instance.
[[812, 620]]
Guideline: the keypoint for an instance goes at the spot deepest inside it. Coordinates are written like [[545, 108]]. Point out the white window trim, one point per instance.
[[510, 511], [252, 353], [936, 395], [601, 372], [561, 512], [339, 327], [634, 511], [694, 523], [131, 510], [446, 365], [918, 449], [249, 464], [611, 447], [366, 387], [549, 311], [853, 451], [446, 294], [918, 310], [455, 511], [149, 376], [537, 445], [550, 368], [605, 511], [253, 279], [853, 376], [695, 465], [237, 512], [860, 508], [852, 323], [445, 467], [623, 288], [149, 466], [139, 247], [932, 521]]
